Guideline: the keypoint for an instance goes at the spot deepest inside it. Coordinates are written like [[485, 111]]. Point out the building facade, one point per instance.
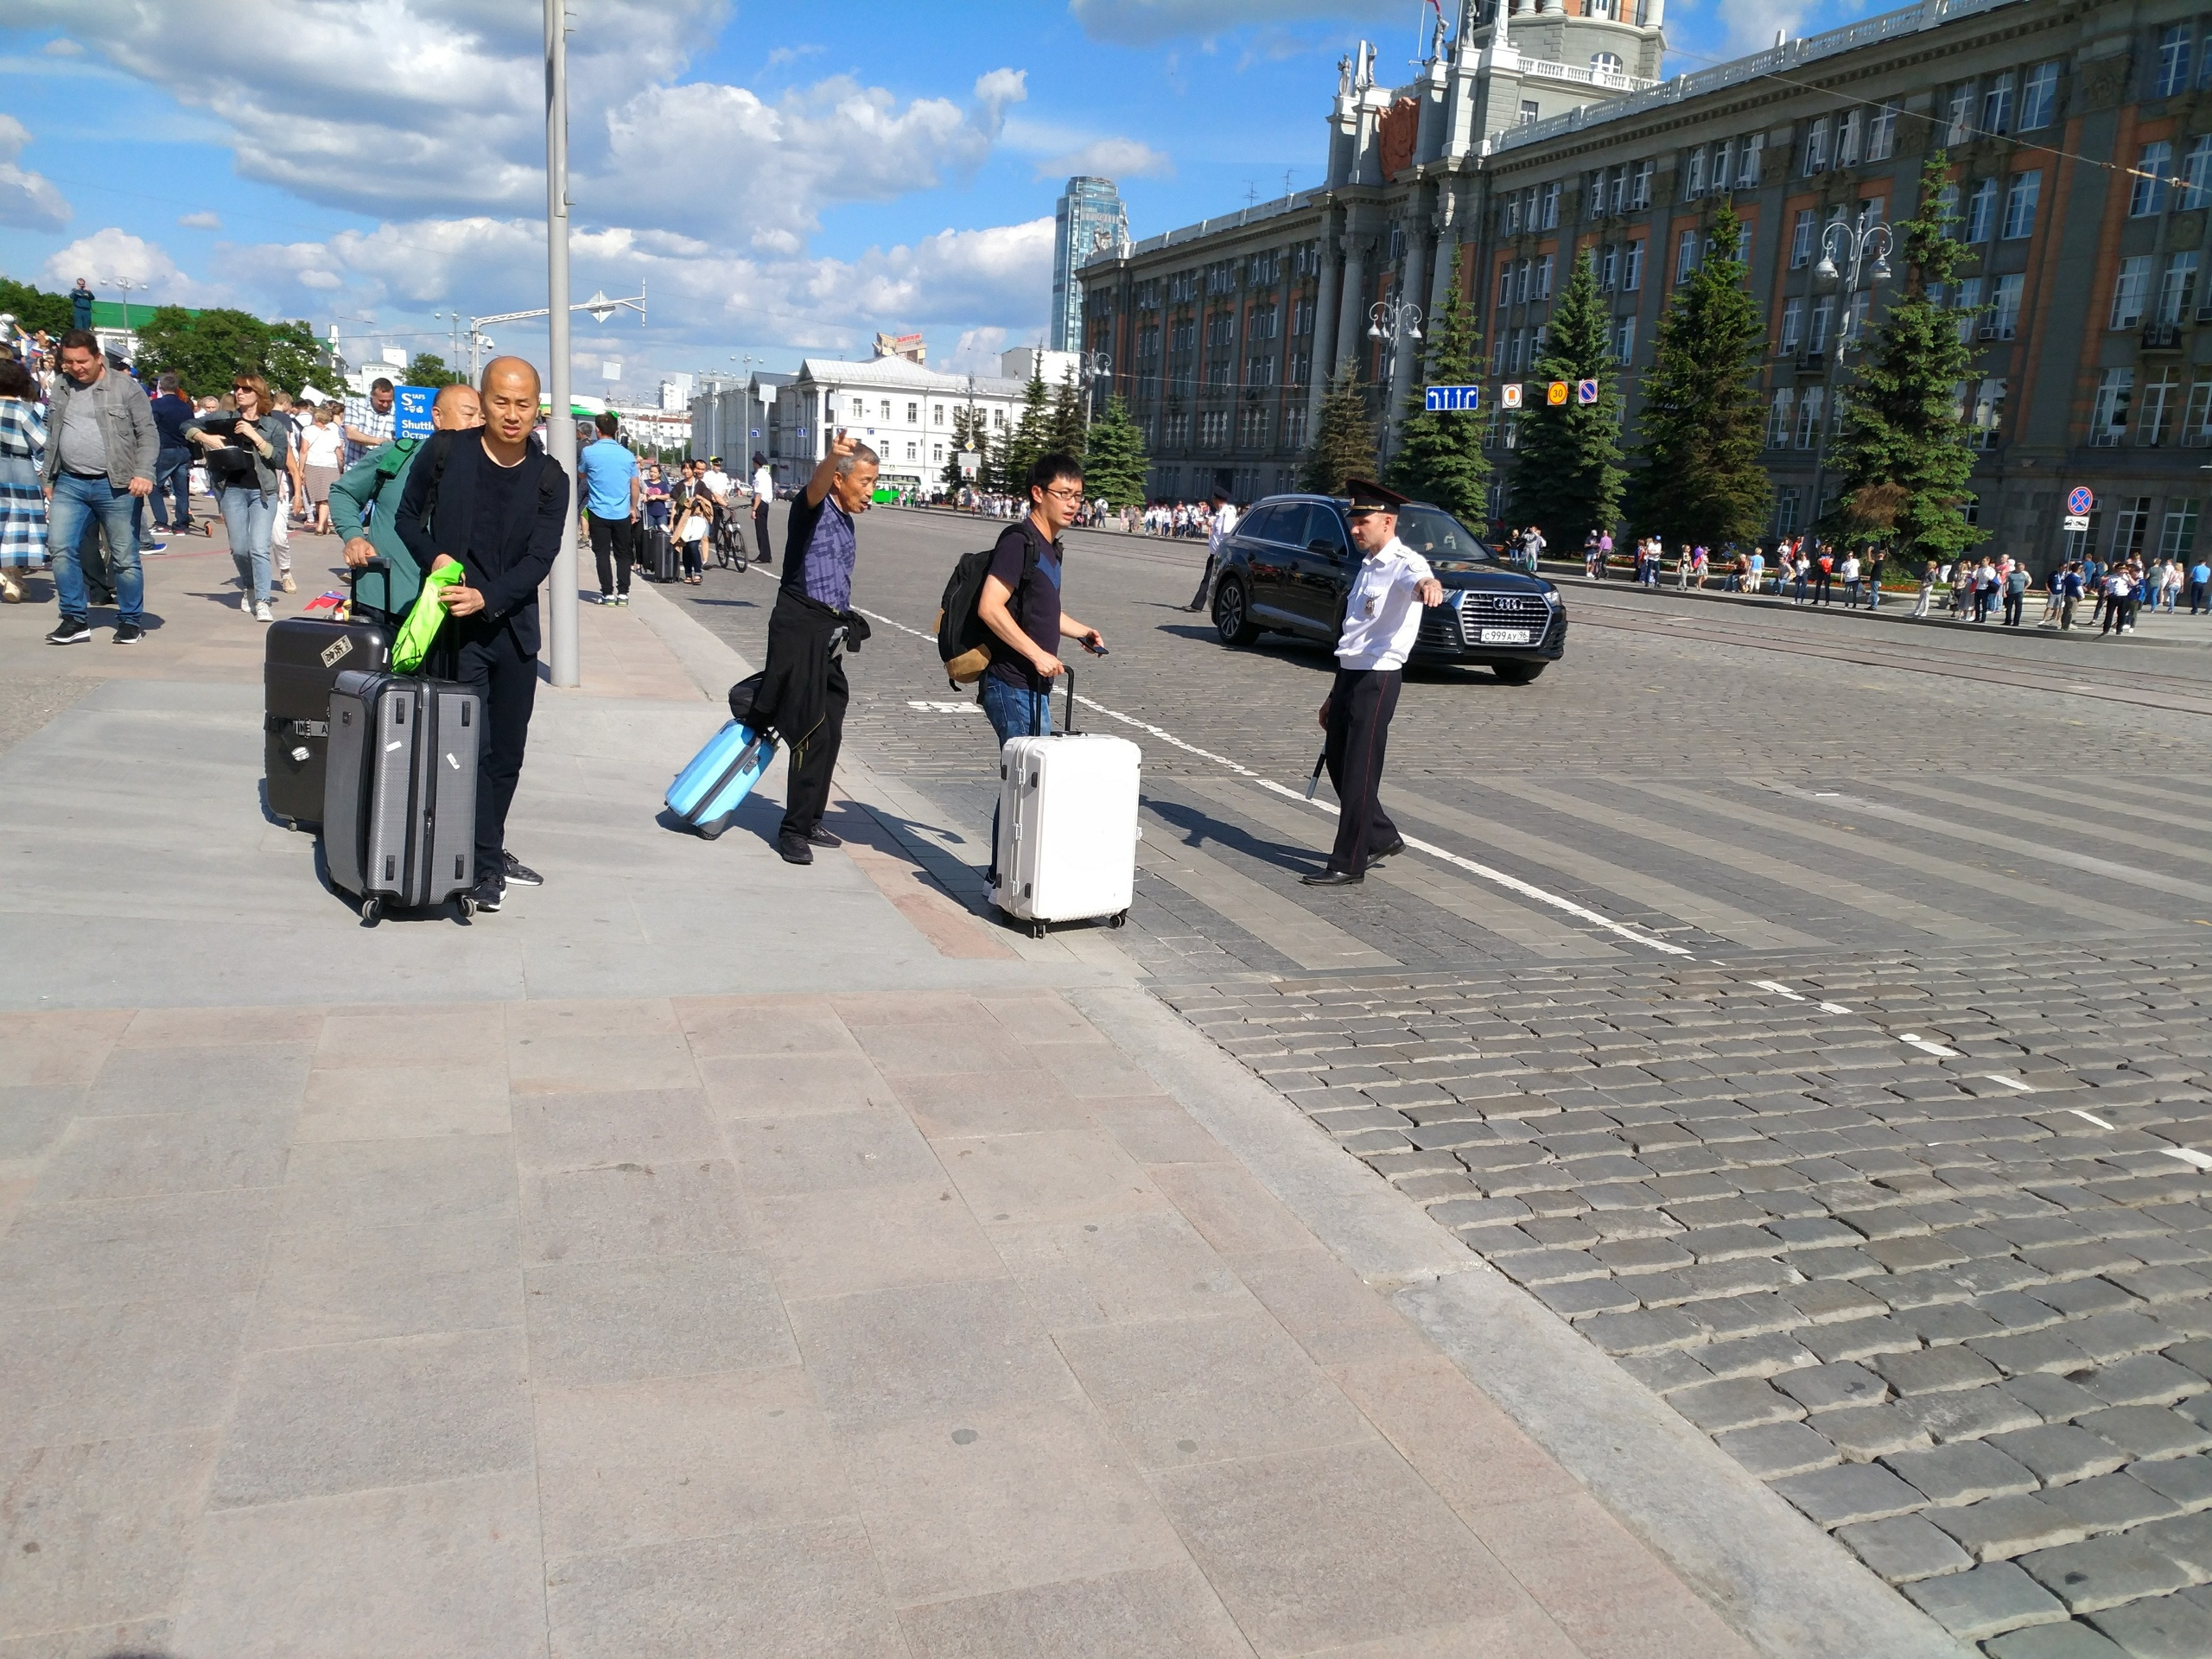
[[1089, 220], [901, 410], [2078, 137]]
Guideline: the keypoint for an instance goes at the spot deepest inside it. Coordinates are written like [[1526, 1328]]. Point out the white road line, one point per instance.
[[1927, 1047], [1834, 1007], [1511, 883], [1777, 988], [2010, 1083], [2189, 1155], [2088, 1117]]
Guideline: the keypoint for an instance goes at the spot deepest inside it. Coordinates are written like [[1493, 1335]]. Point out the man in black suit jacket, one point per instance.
[[493, 501]]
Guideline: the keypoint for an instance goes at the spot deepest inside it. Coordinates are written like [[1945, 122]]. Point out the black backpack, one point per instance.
[[964, 643]]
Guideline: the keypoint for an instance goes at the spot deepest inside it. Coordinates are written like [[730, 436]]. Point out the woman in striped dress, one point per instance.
[[22, 503]]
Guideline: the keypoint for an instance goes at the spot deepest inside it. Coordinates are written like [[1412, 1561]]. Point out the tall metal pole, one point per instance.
[[560, 425]]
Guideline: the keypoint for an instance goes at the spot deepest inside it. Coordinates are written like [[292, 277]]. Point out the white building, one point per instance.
[[1022, 361], [730, 418], [899, 410], [676, 393]]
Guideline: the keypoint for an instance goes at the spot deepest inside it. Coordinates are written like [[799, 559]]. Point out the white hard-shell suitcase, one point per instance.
[[1067, 826]]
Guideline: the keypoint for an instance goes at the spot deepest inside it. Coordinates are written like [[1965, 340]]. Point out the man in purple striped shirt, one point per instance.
[[803, 690]]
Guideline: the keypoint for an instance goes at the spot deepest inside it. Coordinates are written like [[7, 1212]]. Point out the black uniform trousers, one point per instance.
[[816, 758], [1361, 704], [494, 665], [761, 530]]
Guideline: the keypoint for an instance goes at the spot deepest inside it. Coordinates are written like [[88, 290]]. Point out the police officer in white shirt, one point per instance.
[[1382, 619], [763, 493], [1225, 526]]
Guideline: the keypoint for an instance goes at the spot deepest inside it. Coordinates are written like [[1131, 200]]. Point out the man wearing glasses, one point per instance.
[[1020, 605]]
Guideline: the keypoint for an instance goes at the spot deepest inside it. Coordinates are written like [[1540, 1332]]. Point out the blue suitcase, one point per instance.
[[707, 793]]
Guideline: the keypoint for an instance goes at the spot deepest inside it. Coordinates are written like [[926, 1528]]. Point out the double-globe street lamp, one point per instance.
[[1396, 321], [1844, 249]]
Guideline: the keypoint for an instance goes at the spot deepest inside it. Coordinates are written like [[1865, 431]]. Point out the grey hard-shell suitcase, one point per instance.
[[399, 801]]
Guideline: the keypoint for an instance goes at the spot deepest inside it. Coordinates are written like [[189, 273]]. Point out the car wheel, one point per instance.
[[1518, 673], [1231, 618]]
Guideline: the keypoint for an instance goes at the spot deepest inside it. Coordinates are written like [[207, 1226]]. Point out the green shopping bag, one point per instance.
[[423, 619]]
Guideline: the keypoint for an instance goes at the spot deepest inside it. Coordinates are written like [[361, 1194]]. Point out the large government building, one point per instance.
[[2080, 139]]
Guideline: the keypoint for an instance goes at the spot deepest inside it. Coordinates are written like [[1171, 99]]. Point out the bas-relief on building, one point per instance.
[[2080, 152]]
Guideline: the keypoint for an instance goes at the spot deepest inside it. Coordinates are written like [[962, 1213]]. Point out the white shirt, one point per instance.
[[763, 484], [1381, 614], [717, 480], [1224, 525]]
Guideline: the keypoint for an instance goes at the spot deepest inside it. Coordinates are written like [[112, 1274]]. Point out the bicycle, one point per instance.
[[730, 551]]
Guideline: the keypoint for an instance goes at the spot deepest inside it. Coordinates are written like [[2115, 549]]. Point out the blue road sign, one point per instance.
[[1585, 391], [412, 415], [1451, 398], [2080, 500]]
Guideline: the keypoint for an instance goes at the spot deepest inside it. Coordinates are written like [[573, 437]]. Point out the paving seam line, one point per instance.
[[1790, 1590]]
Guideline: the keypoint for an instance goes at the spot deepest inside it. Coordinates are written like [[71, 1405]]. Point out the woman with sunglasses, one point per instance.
[[244, 452]]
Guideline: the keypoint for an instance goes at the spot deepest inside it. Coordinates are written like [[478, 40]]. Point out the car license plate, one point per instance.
[[1505, 636]]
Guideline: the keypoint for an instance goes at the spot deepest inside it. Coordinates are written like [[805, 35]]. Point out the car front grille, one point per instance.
[[1506, 609]]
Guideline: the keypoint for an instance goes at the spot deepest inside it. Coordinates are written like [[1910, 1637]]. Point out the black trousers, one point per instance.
[[614, 544], [1361, 704], [2012, 604], [761, 530], [812, 768], [494, 665]]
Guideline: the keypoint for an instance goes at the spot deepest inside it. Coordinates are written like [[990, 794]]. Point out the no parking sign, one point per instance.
[[2080, 500]]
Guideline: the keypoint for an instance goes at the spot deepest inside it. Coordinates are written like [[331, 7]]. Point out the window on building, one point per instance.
[[1294, 427], [1505, 284], [1606, 266], [1302, 368], [1550, 203], [1854, 318], [886, 411], [1997, 106], [998, 419], [1823, 319], [1509, 217], [1958, 123], [1746, 235], [1785, 511], [2177, 536], [2146, 192], [2157, 408], [1882, 134], [1640, 178], [2005, 311], [1847, 132], [1624, 339], [1778, 417], [2172, 61], [2196, 422], [1693, 176], [1528, 111], [1747, 161], [2108, 418], [1543, 277], [937, 414], [1816, 147], [912, 452], [1260, 371], [2193, 184], [1685, 257], [1968, 306], [1605, 63], [1632, 267], [1988, 413], [2021, 205], [1981, 210], [2134, 525], [2177, 288], [1946, 209], [913, 413], [1616, 193], [2039, 96], [1723, 164], [1808, 417], [1521, 275], [1801, 239], [937, 452], [1594, 195], [2130, 290], [1793, 323]]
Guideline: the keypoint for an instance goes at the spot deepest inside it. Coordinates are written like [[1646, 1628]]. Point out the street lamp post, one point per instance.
[[126, 285], [1844, 249], [1091, 366], [1396, 321], [560, 426]]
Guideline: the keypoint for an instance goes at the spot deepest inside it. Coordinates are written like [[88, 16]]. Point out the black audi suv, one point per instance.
[[1290, 562]]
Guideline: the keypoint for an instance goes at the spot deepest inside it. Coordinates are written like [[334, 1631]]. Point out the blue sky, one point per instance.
[[781, 178]]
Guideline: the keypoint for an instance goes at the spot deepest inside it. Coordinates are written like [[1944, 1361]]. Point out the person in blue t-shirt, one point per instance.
[[611, 492]]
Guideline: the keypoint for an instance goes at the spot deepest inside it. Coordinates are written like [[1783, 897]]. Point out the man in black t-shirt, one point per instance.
[[1022, 605]]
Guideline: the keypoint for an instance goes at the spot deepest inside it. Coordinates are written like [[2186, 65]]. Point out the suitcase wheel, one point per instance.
[[1120, 918], [371, 912], [1037, 930], [465, 904]]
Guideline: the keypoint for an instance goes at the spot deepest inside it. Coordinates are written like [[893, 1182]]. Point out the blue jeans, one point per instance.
[[173, 478], [1014, 711], [248, 516], [76, 500]]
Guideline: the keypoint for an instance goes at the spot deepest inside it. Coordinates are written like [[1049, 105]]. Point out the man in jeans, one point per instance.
[[100, 446], [173, 460], [1020, 605], [614, 491]]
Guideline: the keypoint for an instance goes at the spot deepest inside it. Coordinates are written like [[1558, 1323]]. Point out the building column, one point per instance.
[[1408, 351], [1325, 334], [1351, 300]]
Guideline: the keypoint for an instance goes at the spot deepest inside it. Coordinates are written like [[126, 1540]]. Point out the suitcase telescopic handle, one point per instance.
[[1070, 671]]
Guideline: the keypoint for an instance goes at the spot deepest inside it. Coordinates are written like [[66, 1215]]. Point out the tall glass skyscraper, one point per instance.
[[1090, 220]]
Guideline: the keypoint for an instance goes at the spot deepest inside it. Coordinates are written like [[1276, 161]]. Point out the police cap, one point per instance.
[[1368, 496]]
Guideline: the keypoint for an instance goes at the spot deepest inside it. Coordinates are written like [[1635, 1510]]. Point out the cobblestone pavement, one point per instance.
[[1816, 1030]]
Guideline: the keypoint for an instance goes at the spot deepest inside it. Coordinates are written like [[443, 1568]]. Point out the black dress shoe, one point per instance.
[[793, 849], [1391, 851], [1332, 878], [821, 837]]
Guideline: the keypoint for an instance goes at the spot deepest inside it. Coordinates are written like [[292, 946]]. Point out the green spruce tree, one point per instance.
[[1440, 455], [1064, 431], [1344, 438], [963, 437], [1116, 465], [1702, 424], [1020, 446], [1567, 479], [1902, 427]]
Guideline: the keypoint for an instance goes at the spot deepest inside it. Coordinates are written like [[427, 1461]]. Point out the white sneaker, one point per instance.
[[261, 614], [245, 602]]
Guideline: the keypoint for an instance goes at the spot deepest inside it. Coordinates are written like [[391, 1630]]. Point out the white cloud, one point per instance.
[[28, 199], [977, 352], [202, 222], [1112, 158], [1148, 22], [63, 47], [110, 255]]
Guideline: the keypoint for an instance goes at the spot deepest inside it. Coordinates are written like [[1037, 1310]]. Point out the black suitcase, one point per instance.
[[302, 661], [660, 557], [399, 808]]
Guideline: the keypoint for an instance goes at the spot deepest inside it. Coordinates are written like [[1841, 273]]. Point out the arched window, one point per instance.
[[1605, 63]]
